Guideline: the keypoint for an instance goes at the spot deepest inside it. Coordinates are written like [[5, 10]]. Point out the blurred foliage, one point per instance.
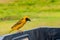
[[41, 12], [19, 7]]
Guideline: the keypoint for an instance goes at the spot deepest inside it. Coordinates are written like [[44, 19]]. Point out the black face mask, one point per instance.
[[27, 19]]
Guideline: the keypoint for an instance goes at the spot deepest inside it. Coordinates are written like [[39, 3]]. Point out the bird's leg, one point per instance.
[[19, 31]]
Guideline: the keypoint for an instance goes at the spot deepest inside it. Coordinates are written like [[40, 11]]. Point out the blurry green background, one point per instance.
[[41, 12]]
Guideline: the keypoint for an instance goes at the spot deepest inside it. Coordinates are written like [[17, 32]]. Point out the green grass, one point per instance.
[[19, 7], [41, 13], [50, 19]]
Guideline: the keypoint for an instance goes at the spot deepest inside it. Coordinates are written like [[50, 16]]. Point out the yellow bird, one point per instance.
[[20, 23]]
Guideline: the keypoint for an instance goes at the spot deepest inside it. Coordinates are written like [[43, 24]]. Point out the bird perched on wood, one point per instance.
[[20, 23]]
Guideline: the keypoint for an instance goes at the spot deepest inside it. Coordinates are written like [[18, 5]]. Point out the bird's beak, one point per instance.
[[28, 19]]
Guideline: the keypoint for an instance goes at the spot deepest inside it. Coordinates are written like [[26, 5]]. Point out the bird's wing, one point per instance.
[[18, 23]]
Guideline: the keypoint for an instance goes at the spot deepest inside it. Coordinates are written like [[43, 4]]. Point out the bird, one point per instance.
[[20, 23]]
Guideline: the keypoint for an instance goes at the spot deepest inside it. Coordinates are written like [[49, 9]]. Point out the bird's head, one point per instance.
[[27, 18]]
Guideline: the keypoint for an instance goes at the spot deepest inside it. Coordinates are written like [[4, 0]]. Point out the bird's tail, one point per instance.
[[10, 31]]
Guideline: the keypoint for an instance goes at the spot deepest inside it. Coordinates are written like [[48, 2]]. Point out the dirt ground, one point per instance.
[[6, 1]]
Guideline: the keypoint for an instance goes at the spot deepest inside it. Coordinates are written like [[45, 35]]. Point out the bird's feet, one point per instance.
[[19, 31]]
